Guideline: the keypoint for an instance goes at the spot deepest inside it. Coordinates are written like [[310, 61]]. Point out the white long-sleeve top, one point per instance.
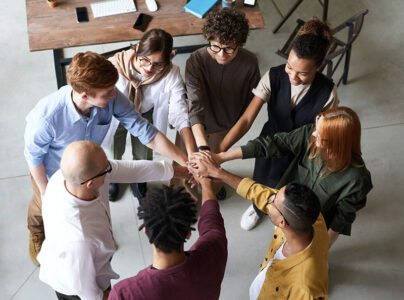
[[166, 96], [79, 244]]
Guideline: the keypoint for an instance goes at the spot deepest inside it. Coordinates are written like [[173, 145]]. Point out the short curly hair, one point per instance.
[[227, 25], [89, 71], [167, 215]]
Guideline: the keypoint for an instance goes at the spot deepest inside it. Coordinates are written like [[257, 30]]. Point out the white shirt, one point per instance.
[[256, 285], [79, 244]]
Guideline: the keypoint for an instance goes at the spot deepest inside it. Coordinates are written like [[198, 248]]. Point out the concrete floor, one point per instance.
[[367, 265]]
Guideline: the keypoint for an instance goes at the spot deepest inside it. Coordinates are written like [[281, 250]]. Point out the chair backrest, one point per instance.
[[354, 24]]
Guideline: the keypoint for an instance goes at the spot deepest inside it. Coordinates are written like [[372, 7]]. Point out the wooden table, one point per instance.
[[57, 28]]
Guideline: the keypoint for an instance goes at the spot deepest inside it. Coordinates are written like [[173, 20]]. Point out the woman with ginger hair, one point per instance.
[[326, 157], [295, 93]]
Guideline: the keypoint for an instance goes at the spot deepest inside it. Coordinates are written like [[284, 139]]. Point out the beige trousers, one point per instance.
[[35, 222]]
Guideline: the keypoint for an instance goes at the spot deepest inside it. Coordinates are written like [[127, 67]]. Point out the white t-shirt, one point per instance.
[[256, 285], [79, 244]]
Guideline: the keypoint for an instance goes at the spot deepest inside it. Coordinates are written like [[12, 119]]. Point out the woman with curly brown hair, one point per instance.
[[219, 79], [295, 93]]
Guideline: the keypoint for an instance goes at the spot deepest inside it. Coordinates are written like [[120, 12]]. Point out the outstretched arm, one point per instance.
[[243, 124], [162, 144], [188, 139], [199, 134]]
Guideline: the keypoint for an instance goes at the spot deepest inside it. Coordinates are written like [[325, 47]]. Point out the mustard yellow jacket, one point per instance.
[[301, 276]]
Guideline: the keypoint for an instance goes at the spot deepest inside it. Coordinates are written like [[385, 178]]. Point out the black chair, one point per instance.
[[324, 4], [340, 49]]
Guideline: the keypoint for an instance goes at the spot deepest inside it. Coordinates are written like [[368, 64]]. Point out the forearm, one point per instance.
[[207, 190], [188, 139], [39, 175], [332, 236], [199, 133], [243, 124], [161, 144], [230, 155], [234, 135], [229, 178]]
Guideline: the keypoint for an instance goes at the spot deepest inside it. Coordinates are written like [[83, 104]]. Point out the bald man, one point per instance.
[[79, 244]]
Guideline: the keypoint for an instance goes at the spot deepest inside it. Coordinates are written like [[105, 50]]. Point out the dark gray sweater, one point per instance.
[[219, 94]]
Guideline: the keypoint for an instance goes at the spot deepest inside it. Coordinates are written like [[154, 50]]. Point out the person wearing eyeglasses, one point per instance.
[[219, 79], [79, 243], [154, 84], [295, 93], [326, 157], [295, 265], [81, 110]]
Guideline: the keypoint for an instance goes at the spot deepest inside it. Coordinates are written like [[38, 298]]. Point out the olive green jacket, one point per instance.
[[341, 194]]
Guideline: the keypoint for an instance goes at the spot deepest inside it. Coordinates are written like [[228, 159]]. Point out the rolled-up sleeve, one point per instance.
[[125, 112], [256, 192], [263, 89], [279, 145], [38, 136]]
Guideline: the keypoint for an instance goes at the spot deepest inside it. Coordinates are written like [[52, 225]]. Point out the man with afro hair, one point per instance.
[[168, 215]]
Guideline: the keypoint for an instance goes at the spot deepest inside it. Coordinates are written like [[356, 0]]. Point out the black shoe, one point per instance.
[[221, 195], [113, 191], [135, 191]]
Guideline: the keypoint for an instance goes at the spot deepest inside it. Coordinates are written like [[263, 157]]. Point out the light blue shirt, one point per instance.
[[54, 123]]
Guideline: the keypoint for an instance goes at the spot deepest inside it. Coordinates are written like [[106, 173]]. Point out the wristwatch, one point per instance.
[[203, 148]]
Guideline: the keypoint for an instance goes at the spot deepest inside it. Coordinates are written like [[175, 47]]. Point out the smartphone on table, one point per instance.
[[141, 22], [82, 15]]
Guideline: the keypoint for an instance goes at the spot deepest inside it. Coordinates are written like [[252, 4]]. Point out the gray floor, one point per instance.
[[367, 265]]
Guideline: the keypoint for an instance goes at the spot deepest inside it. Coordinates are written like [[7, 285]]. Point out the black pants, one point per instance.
[[66, 297]]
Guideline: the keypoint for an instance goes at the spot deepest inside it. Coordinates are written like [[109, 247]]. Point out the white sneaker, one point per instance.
[[249, 218]]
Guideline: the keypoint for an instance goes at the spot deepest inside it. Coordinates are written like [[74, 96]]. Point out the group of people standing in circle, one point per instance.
[[309, 176], [224, 94]]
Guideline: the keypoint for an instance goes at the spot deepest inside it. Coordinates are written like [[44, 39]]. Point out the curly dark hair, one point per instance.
[[167, 215], [313, 40], [227, 25]]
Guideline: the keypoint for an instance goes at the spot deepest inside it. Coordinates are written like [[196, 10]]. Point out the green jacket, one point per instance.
[[341, 194]]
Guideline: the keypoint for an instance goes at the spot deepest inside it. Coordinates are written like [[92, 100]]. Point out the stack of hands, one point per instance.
[[203, 164]]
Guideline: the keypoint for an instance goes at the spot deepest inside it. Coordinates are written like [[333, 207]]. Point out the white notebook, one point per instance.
[[112, 7]]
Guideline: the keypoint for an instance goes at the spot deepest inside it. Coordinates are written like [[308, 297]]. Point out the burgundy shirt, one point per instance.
[[199, 277]]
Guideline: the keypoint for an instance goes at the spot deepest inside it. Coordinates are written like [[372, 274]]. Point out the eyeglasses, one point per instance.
[[107, 170], [217, 49], [271, 201], [145, 62]]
